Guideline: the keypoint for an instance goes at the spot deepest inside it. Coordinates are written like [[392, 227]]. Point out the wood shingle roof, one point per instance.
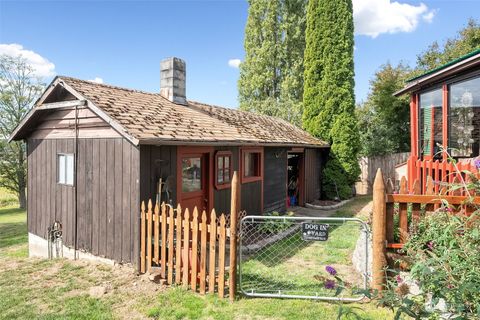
[[151, 119]]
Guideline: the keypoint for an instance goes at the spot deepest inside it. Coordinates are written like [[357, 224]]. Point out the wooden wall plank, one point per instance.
[[82, 222], [118, 200], [127, 240], [88, 193], [103, 204], [95, 196], [110, 191], [135, 203]]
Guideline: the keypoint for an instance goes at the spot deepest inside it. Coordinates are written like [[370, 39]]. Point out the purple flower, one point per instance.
[[330, 284], [449, 209], [477, 163], [399, 279], [430, 245], [331, 270]]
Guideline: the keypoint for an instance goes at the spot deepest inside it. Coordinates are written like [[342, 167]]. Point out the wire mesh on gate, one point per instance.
[[303, 257]]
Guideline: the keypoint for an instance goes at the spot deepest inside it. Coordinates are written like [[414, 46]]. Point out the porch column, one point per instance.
[[413, 139], [445, 119]]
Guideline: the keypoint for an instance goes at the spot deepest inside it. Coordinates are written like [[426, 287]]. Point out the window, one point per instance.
[[191, 174], [251, 165], [464, 118], [223, 173], [65, 169], [430, 122]]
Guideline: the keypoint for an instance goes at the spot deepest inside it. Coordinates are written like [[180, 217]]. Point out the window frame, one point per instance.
[[66, 155], [449, 84], [223, 154], [259, 176], [431, 153]]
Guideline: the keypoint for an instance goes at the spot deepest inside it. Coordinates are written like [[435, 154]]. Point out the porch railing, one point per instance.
[[440, 171]]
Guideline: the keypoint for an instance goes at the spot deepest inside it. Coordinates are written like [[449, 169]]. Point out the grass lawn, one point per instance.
[[297, 267], [59, 289]]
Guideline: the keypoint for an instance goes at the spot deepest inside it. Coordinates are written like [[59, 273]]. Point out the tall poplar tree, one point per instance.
[[259, 83], [271, 77], [329, 102]]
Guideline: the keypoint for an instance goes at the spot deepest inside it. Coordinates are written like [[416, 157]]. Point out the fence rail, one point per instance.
[[190, 249], [440, 171], [410, 208]]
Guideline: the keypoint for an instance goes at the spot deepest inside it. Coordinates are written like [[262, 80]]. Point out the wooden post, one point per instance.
[[234, 207], [379, 232], [142, 242]]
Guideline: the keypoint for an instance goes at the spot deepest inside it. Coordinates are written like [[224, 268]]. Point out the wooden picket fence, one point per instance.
[[190, 249], [439, 170], [386, 204]]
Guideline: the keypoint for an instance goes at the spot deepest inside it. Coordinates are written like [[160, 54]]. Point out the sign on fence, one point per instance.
[[314, 231]]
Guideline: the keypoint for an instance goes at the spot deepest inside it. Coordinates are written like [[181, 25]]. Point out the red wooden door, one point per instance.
[[193, 171]]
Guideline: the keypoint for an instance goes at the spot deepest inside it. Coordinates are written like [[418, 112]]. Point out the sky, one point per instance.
[[122, 42]]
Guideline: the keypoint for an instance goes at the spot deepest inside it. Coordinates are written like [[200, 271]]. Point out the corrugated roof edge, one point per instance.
[[459, 59]]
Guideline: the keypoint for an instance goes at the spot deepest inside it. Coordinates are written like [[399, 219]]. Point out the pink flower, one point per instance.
[[399, 279]]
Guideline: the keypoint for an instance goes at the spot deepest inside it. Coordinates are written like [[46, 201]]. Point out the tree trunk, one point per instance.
[[22, 198]]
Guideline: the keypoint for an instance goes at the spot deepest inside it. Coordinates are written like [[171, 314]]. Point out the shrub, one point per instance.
[[445, 249]]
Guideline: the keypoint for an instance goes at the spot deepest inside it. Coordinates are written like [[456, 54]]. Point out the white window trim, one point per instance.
[[67, 179]]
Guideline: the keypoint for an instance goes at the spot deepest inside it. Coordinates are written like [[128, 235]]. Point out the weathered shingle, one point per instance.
[[151, 118]]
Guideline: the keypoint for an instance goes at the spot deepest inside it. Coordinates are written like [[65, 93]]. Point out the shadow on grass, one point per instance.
[[12, 234]]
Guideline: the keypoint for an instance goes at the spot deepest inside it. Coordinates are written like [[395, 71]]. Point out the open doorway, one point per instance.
[[295, 180]]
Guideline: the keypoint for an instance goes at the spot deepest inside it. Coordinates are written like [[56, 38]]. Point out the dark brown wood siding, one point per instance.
[[157, 162], [107, 195], [313, 174], [251, 197], [275, 179], [222, 197]]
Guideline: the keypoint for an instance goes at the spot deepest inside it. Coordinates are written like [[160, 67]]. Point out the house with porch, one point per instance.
[[95, 151], [444, 120]]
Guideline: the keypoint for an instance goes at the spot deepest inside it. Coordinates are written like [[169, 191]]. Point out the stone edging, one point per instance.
[[332, 207]]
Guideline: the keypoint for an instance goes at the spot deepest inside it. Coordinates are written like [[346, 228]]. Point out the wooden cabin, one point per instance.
[[444, 116], [96, 151]]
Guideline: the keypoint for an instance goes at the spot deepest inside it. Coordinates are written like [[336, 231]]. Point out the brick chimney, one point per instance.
[[173, 79]]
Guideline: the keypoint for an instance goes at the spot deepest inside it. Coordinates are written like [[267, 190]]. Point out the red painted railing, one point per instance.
[[442, 172]]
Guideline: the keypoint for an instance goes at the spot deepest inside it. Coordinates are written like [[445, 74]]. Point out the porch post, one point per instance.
[[413, 139], [444, 120]]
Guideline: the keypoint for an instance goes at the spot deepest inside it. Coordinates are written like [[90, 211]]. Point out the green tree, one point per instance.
[[384, 120], [271, 77], [19, 89], [329, 102], [293, 24], [466, 40], [260, 72]]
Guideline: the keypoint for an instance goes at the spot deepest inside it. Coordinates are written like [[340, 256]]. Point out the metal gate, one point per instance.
[[303, 257]]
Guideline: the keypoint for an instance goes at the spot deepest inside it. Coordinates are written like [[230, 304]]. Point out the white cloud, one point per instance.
[[373, 17], [234, 63], [41, 66], [97, 80]]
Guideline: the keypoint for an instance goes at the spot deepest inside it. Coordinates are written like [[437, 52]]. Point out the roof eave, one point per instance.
[[440, 74], [233, 143]]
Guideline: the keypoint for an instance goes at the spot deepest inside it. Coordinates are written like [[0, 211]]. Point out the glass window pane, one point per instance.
[[227, 175], [69, 169], [251, 164], [191, 174], [227, 162], [61, 168], [430, 126], [220, 162], [220, 176], [464, 118]]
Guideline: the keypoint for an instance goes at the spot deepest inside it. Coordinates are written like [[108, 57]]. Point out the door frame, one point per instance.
[[301, 175], [183, 151]]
